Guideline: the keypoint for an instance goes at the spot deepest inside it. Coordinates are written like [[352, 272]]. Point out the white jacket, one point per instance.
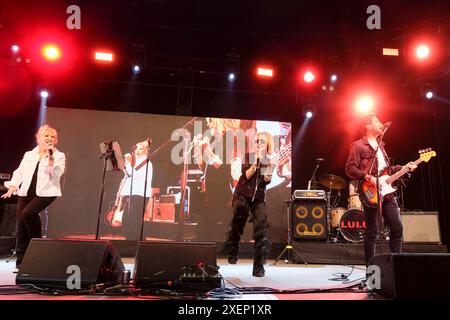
[[138, 179], [47, 184]]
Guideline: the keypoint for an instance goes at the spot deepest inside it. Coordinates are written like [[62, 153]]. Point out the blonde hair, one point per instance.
[[223, 125], [269, 140], [44, 128]]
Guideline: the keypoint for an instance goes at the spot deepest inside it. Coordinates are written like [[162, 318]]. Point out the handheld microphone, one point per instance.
[[320, 159], [50, 148]]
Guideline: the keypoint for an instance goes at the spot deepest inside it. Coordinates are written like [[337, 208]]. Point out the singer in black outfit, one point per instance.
[[37, 181], [249, 201], [362, 164]]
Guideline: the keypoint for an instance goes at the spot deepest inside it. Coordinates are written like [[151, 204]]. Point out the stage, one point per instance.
[[287, 279]]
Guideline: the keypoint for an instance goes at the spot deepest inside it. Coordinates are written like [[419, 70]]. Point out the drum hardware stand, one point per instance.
[[288, 248]]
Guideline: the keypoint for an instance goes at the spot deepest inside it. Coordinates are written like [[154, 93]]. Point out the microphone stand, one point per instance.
[[183, 185], [313, 175], [145, 190], [379, 200]]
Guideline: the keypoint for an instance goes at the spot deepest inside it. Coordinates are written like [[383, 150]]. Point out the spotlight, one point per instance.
[[232, 65], [264, 72], [15, 48], [309, 110], [136, 69], [333, 78], [44, 94], [364, 104], [51, 52], [231, 76], [429, 94], [309, 77], [422, 51], [103, 56]]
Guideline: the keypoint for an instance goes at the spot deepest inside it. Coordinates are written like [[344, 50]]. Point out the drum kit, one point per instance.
[[348, 223]]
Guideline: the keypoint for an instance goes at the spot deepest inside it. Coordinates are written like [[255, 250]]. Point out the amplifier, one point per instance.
[[421, 226], [308, 194]]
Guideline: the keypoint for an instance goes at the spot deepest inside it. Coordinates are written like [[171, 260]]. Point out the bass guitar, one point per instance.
[[368, 190]]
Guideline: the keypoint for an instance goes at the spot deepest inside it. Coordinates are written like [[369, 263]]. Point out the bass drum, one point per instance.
[[353, 225]]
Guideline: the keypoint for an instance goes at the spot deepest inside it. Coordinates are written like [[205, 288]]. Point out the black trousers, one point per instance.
[[132, 218], [392, 219], [244, 208], [29, 222]]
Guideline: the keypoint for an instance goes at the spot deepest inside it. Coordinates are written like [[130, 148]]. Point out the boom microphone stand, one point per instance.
[[318, 161]]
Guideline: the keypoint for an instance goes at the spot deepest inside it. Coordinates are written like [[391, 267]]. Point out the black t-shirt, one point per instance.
[[246, 187], [32, 188]]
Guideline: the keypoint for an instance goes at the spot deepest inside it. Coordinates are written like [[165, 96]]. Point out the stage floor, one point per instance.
[[282, 276]]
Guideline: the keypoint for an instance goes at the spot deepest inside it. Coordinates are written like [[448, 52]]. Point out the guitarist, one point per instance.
[[362, 165]]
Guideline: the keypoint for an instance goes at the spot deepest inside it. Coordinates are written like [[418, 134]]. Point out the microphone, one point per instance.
[[320, 159], [50, 149]]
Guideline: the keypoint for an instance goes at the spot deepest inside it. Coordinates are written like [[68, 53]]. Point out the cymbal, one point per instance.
[[332, 181]]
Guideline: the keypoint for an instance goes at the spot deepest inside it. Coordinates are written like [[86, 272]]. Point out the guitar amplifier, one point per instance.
[[164, 209], [421, 227]]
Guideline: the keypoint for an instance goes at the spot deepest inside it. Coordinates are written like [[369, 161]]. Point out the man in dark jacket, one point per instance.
[[364, 158]]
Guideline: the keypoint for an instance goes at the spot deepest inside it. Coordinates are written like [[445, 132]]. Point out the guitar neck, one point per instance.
[[283, 154], [400, 173]]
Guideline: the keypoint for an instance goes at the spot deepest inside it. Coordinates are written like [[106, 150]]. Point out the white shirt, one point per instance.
[[138, 179], [48, 178], [382, 164]]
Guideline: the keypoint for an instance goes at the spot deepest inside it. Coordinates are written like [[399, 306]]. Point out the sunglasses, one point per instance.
[[260, 141]]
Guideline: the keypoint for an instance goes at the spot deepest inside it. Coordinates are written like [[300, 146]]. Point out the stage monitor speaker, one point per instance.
[[414, 275], [161, 262], [309, 219], [421, 227], [47, 261]]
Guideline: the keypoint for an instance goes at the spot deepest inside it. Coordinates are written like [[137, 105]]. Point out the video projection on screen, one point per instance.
[[162, 177]]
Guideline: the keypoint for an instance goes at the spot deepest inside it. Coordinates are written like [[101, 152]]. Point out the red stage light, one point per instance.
[[264, 72], [364, 104], [422, 51], [51, 52], [104, 56], [308, 76]]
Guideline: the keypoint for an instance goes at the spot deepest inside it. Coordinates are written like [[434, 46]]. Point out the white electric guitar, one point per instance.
[[369, 190]]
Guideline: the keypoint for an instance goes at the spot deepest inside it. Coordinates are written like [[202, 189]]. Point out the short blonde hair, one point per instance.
[[44, 128]]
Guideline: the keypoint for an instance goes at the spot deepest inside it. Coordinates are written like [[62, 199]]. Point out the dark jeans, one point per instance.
[[29, 222], [243, 208], [392, 219]]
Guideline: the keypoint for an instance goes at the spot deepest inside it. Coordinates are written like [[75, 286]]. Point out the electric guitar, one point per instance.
[[368, 190]]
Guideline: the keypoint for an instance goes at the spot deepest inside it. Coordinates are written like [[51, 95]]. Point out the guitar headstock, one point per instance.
[[427, 154]]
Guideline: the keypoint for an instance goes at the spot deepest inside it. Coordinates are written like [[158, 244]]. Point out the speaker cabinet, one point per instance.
[[414, 275], [46, 261], [162, 262], [309, 219], [421, 227]]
